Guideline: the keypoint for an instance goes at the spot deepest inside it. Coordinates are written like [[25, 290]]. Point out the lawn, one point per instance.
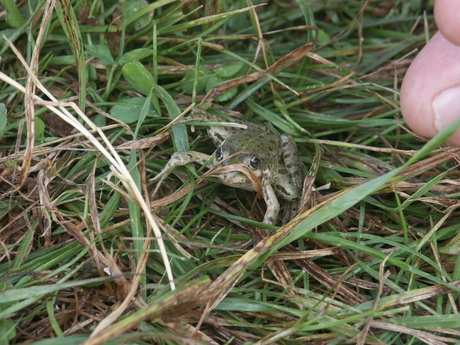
[[96, 96]]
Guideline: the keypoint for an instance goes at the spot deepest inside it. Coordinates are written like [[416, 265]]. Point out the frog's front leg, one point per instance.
[[180, 159], [273, 205]]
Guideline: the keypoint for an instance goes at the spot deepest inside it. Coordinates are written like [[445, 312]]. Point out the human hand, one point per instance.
[[430, 92]]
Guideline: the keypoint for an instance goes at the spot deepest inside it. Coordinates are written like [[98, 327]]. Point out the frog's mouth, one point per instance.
[[239, 176]]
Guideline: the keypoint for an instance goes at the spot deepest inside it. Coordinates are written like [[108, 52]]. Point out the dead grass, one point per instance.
[[89, 256]]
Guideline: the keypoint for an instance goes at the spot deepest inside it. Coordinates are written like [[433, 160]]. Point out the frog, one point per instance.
[[273, 160]]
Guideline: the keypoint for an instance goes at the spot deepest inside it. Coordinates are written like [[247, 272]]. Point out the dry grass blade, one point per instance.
[[146, 143], [278, 267], [220, 16], [293, 56], [30, 93], [334, 283], [371, 258], [118, 167], [250, 78], [176, 305], [425, 337], [224, 283]]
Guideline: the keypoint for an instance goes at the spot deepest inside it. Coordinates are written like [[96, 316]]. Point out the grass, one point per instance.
[[89, 255]]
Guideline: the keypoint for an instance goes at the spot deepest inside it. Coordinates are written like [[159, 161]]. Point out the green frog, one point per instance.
[[271, 159]]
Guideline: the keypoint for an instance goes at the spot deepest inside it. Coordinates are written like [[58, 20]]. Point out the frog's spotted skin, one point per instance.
[[271, 158]]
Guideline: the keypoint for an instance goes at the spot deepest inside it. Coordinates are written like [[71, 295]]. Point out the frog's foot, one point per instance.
[[179, 159], [290, 211], [273, 206]]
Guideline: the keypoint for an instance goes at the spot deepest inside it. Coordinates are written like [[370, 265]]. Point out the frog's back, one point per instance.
[[257, 140]]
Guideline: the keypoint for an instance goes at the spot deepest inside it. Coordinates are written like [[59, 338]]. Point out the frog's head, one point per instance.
[[250, 167], [226, 155]]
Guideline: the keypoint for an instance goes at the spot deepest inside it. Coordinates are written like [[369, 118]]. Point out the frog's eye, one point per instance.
[[219, 154], [254, 162]]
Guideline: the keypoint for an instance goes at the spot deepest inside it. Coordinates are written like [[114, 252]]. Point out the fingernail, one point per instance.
[[446, 107]]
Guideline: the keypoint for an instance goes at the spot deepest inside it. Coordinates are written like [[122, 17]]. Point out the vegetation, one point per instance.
[[92, 98]]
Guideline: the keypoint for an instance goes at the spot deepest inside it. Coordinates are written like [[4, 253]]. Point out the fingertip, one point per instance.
[[454, 140], [434, 70], [447, 17], [416, 94]]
